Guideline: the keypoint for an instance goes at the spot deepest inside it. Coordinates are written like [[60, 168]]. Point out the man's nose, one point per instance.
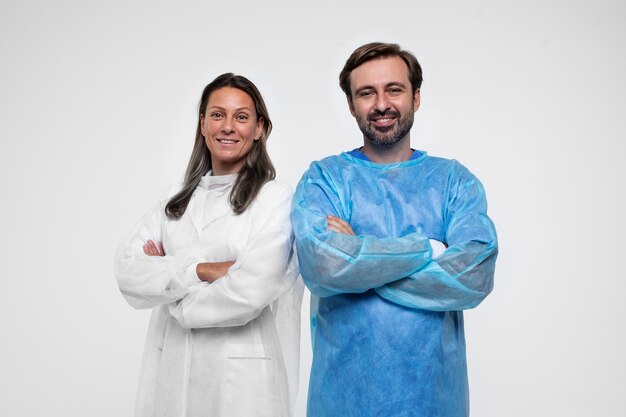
[[382, 103]]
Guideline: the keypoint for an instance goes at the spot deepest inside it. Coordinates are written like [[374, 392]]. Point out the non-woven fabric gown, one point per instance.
[[230, 348], [387, 329]]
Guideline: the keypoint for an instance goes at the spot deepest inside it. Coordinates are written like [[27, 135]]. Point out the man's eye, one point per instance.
[[365, 94]]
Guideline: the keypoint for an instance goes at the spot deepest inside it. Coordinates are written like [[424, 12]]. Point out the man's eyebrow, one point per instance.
[[365, 87], [390, 84], [396, 84]]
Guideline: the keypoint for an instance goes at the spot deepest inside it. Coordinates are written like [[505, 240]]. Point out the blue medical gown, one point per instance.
[[387, 328]]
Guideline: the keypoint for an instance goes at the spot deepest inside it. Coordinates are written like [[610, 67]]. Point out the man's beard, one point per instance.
[[386, 136]]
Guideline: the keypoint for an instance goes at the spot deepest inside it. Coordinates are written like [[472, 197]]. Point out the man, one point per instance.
[[387, 324]]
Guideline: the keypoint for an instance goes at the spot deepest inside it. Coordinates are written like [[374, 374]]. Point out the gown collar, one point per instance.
[[418, 156]]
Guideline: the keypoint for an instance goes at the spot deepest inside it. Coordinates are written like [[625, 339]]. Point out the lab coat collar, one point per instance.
[[212, 182], [211, 199]]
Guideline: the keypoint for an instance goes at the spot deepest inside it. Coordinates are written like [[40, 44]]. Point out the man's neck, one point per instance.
[[398, 152]]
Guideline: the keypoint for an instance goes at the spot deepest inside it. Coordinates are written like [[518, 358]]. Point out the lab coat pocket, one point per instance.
[[250, 386]]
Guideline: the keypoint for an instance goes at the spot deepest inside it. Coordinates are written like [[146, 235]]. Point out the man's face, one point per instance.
[[382, 101]]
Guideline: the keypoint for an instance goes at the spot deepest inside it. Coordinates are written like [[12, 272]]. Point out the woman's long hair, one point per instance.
[[257, 168]]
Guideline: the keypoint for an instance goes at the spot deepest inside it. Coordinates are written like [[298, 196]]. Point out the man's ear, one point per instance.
[[350, 105], [416, 100]]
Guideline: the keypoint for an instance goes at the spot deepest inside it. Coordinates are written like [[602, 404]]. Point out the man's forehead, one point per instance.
[[380, 72]]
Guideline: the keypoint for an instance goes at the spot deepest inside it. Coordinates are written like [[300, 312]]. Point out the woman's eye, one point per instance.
[[242, 117], [215, 115]]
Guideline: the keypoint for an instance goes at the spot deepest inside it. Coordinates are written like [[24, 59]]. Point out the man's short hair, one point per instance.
[[378, 50]]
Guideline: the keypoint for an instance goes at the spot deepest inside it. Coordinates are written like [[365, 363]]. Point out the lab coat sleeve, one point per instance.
[[462, 276], [149, 281], [259, 276], [333, 263]]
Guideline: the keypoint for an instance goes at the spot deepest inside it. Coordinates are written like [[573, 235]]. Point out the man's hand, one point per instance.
[[338, 225], [153, 249]]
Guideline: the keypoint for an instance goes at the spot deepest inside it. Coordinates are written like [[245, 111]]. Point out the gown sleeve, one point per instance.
[[333, 263], [149, 281], [260, 275], [462, 276]]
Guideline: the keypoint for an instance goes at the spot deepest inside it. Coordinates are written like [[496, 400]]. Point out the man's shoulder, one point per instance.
[[337, 164], [452, 171], [332, 160], [332, 163], [451, 165], [439, 160]]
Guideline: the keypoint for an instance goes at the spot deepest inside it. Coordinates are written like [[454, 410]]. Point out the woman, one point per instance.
[[215, 261]]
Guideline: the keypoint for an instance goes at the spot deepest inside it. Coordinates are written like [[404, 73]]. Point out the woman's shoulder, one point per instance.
[[170, 191], [276, 188], [274, 192]]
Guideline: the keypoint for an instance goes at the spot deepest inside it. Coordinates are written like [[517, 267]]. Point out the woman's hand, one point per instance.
[[212, 271], [206, 271], [338, 225], [153, 249]]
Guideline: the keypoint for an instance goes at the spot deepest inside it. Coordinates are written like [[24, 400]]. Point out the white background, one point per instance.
[[98, 108]]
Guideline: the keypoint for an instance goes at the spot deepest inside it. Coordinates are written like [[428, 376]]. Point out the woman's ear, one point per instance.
[[202, 124], [259, 128]]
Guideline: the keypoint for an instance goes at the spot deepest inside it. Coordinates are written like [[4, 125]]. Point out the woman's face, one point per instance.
[[229, 125]]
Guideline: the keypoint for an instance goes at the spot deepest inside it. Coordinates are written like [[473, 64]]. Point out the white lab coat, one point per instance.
[[230, 348]]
